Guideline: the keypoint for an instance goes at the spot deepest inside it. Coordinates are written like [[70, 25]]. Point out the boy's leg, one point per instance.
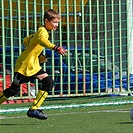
[[14, 88], [11, 91], [47, 85], [39, 99], [3, 98], [34, 110]]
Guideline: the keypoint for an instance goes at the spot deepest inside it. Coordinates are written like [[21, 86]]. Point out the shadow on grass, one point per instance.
[[125, 123], [14, 124]]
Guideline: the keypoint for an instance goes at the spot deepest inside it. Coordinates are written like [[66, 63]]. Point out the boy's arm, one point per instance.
[[47, 44]]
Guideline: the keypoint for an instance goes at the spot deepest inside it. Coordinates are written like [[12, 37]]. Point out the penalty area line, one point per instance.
[[24, 109]]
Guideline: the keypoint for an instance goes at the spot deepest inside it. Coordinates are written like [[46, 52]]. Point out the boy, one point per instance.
[[28, 66]]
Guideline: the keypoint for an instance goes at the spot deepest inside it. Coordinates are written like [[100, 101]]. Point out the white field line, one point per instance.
[[127, 110], [23, 109]]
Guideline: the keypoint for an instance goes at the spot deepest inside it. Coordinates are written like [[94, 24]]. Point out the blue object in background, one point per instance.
[[73, 75]]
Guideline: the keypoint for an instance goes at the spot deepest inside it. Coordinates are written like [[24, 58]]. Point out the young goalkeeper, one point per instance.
[[28, 65]]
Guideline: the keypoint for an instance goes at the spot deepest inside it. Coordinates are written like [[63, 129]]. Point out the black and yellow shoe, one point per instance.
[[37, 113]]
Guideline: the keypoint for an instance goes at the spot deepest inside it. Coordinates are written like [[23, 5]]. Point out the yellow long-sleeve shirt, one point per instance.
[[28, 62]]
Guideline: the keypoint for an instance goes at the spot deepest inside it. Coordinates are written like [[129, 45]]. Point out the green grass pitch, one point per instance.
[[103, 119]]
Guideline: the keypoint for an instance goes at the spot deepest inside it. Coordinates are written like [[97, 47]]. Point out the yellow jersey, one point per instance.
[[28, 63]]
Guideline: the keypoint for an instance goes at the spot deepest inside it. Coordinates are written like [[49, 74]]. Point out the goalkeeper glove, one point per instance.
[[61, 51]]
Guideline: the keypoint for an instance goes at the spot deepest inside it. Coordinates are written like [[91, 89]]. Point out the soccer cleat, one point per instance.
[[36, 114]]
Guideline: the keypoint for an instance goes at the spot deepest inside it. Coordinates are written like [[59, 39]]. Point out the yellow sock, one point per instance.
[[39, 99], [2, 98]]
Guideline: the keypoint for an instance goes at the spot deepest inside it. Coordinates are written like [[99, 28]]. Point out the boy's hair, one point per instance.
[[51, 14]]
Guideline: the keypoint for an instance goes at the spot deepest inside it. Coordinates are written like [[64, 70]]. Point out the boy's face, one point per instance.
[[52, 24]]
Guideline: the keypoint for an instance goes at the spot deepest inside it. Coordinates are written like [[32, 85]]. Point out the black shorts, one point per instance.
[[20, 79]]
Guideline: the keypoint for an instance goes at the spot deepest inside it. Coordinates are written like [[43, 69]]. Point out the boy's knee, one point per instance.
[[47, 84]]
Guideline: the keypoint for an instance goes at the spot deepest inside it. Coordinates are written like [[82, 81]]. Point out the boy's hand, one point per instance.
[[61, 51]]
